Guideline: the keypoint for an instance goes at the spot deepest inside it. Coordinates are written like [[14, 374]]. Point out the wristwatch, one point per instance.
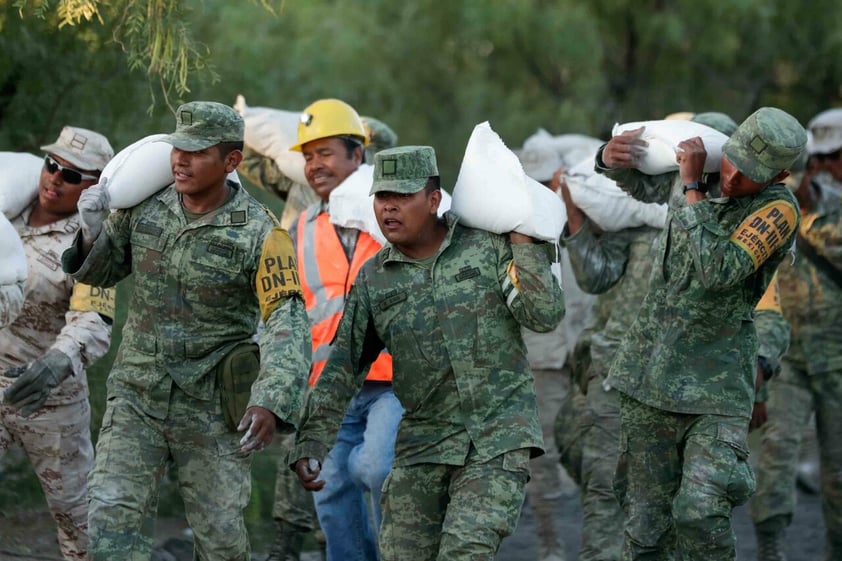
[[699, 186]]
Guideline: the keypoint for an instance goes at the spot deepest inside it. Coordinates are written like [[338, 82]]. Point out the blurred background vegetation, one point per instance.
[[431, 69]]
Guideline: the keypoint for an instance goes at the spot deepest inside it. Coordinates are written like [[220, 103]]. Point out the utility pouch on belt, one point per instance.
[[235, 375]]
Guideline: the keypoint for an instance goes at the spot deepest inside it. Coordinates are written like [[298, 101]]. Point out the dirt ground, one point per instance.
[[29, 535]]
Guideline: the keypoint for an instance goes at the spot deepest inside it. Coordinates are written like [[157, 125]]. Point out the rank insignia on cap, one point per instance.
[[186, 118], [78, 141], [390, 167], [758, 144]]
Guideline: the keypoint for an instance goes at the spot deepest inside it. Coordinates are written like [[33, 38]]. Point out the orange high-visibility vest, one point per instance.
[[326, 277]]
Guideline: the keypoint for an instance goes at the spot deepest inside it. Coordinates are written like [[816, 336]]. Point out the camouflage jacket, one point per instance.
[[617, 266], [452, 325], [57, 312], [199, 290], [810, 300], [693, 347]]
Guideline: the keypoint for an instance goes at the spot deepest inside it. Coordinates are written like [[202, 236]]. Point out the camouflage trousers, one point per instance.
[[293, 504], [793, 397], [438, 512], [544, 488], [679, 478], [132, 455], [568, 432], [57, 441]]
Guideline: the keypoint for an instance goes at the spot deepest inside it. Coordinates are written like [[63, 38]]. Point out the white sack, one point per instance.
[[271, 132], [19, 181], [573, 148], [12, 255], [493, 193], [663, 138], [611, 208], [351, 206], [140, 170]]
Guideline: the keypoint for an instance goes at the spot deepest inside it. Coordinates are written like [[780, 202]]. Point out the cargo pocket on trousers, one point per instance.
[[741, 483], [103, 445], [621, 478]]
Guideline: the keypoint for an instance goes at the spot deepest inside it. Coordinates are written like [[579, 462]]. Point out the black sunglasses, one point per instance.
[[69, 175], [833, 156]]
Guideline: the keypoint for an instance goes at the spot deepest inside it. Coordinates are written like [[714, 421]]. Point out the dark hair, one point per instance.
[[433, 183], [226, 148], [351, 144]]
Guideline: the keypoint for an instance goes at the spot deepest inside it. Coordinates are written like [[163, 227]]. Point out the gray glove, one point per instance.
[[34, 382], [93, 210]]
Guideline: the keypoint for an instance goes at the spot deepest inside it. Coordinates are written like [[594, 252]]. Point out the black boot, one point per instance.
[[288, 542], [770, 545]]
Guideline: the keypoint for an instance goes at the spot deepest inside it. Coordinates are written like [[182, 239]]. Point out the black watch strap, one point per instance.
[[695, 186]]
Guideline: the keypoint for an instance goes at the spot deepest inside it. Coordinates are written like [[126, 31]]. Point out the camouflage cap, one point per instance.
[[824, 132], [404, 169], [85, 149], [715, 120], [380, 136], [540, 161], [768, 142], [202, 124]]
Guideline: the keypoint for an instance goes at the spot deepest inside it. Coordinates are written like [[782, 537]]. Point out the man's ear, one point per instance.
[[232, 160], [435, 201]]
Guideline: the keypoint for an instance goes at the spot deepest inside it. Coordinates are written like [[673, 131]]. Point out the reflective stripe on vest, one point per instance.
[[326, 277]]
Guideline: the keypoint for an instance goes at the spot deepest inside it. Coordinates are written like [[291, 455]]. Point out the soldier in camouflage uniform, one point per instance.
[[617, 266], [188, 386], [63, 328], [811, 377], [448, 302], [686, 370]]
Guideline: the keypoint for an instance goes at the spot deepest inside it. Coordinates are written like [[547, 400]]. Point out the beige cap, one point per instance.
[[85, 149]]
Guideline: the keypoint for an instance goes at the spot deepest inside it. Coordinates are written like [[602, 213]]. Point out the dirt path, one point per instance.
[[30, 535]]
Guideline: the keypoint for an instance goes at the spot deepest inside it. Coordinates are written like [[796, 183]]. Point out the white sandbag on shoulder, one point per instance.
[[13, 266], [493, 193], [271, 132], [19, 181], [608, 206], [663, 138], [572, 148], [351, 206], [140, 170]]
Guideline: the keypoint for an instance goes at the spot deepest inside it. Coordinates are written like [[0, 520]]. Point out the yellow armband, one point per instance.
[[87, 298], [765, 230], [277, 275]]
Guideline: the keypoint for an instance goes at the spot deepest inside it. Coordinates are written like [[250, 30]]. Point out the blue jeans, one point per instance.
[[358, 464]]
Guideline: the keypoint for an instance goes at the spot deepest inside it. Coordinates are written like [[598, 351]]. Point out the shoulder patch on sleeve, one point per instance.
[[771, 299], [277, 274], [765, 230], [87, 298]]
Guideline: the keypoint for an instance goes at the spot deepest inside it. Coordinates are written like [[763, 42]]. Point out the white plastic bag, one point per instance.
[[351, 206], [271, 132], [572, 148], [140, 170], [493, 193], [12, 255], [19, 181], [611, 208], [663, 138]]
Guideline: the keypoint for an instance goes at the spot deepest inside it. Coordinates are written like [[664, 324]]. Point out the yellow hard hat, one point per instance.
[[329, 117]]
